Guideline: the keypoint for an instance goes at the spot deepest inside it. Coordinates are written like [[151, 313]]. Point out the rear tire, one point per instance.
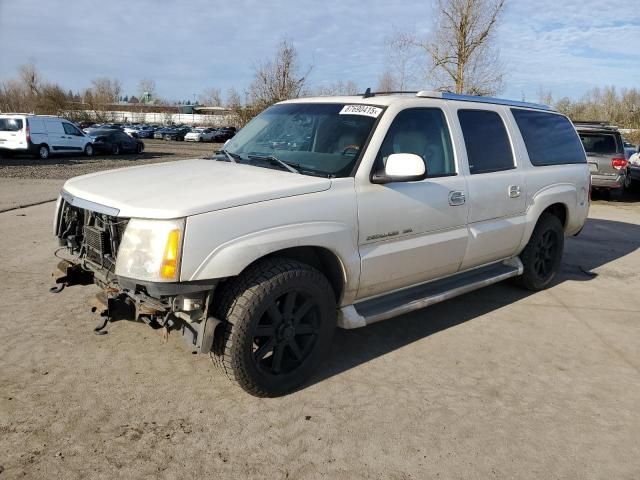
[[88, 150], [542, 256], [43, 152], [140, 148], [279, 318], [115, 149]]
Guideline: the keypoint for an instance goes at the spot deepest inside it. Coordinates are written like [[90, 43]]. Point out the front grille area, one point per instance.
[[96, 239], [91, 236]]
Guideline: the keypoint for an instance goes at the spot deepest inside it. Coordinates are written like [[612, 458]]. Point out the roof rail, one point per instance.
[[480, 99], [591, 122], [368, 93]]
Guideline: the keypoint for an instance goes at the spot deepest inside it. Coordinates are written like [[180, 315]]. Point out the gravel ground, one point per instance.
[[64, 167], [498, 383]]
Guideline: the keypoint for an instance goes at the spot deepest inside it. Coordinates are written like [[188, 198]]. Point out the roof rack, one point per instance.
[[595, 124], [480, 99]]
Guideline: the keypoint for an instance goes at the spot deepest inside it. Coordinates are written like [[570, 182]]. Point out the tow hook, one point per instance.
[[69, 274], [112, 309]]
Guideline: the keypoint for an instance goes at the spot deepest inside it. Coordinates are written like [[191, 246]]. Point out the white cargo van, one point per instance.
[[41, 135]]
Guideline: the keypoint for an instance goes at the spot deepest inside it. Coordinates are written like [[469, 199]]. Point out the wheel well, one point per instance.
[[321, 259], [559, 210]]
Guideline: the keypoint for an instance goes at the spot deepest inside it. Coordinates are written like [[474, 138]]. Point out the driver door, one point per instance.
[[413, 232]]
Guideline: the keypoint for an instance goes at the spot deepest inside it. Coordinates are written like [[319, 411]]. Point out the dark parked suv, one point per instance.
[[605, 155]]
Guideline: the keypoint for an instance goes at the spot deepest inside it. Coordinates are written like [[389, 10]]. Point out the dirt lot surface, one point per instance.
[[64, 167], [498, 383]]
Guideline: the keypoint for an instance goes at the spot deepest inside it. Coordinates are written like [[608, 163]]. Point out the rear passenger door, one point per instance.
[[56, 135], [495, 183]]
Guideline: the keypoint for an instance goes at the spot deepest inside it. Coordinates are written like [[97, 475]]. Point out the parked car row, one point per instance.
[[170, 132], [43, 135]]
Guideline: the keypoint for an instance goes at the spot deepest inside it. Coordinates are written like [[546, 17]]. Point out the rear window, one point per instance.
[[550, 139], [599, 143], [11, 124]]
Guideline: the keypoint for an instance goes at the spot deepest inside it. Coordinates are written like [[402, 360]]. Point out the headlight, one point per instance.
[[151, 250]]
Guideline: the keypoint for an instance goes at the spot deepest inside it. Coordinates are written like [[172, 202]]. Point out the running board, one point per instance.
[[420, 296]]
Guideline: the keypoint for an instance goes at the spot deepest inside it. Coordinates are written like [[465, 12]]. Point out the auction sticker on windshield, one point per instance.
[[367, 110]]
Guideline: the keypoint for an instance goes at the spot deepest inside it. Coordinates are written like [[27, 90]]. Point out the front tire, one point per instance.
[[542, 256], [115, 149], [279, 318], [88, 150]]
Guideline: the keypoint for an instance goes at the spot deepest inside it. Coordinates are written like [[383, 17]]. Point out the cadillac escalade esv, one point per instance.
[[325, 212]]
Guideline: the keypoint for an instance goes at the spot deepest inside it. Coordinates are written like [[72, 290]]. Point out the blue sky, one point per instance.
[[565, 46]]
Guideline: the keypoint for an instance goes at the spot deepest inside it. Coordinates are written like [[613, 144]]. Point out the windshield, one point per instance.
[[10, 124], [316, 138]]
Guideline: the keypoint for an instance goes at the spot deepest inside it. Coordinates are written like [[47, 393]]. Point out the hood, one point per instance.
[[188, 187]]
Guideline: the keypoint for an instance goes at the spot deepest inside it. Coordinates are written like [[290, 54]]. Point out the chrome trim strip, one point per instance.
[[87, 205]]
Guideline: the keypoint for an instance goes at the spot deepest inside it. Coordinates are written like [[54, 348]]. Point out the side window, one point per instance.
[[550, 138], [70, 129], [423, 132], [487, 142]]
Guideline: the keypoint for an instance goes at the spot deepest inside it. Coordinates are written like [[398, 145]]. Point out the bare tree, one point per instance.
[[337, 88], [401, 59], [105, 90], [211, 97], [388, 82], [463, 58], [278, 79], [147, 90], [31, 93], [241, 112], [30, 78]]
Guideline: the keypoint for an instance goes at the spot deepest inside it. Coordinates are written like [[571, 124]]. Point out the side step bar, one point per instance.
[[414, 298]]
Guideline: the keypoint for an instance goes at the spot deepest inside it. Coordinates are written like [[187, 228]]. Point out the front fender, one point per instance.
[[232, 257]]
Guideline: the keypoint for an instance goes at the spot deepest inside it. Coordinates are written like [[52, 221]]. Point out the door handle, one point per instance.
[[456, 198], [514, 191]]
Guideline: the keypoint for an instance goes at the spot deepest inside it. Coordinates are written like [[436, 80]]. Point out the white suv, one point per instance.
[[41, 135], [328, 211]]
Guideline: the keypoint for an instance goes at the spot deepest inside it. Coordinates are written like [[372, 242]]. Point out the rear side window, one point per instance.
[[599, 143], [487, 142], [550, 139], [10, 124]]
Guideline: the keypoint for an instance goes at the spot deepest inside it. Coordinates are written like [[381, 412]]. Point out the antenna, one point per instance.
[[367, 93]]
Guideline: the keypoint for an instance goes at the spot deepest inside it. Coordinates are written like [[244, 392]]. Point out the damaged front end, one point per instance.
[[93, 236]]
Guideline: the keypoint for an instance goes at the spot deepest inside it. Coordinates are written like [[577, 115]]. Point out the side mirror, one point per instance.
[[401, 167]]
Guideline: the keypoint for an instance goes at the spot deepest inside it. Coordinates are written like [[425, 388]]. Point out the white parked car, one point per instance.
[[200, 135], [41, 135], [325, 212]]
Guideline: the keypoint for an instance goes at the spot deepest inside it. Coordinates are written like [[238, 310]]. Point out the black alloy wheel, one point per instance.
[[542, 256], [286, 334], [545, 253]]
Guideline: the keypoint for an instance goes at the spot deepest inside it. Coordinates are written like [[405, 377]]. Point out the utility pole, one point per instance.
[[193, 111]]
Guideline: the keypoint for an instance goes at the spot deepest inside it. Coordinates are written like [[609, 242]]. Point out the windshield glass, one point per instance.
[[10, 124], [316, 138]]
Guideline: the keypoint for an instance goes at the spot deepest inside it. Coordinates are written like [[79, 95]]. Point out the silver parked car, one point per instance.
[[606, 157]]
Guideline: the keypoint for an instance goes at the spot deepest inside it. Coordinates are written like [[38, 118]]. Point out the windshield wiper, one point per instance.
[[275, 160], [233, 157]]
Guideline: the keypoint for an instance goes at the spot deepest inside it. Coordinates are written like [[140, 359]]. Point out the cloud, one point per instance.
[[189, 46]]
